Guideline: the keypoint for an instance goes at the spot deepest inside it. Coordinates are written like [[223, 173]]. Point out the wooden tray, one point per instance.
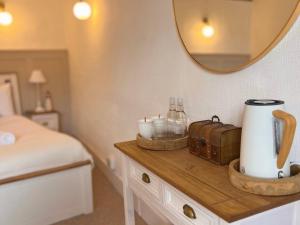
[[267, 187], [164, 144]]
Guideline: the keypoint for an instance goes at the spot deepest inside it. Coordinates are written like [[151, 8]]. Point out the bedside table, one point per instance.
[[46, 119]]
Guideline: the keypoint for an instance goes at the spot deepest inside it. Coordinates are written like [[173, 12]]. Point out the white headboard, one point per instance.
[[13, 80]]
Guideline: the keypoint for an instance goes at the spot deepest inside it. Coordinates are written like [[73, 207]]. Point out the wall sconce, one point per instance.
[[82, 10], [6, 18], [208, 30]]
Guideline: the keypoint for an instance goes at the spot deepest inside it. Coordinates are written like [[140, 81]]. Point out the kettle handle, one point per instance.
[[288, 136]]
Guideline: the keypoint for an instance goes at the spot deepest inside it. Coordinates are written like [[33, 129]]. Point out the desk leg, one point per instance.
[[127, 195]]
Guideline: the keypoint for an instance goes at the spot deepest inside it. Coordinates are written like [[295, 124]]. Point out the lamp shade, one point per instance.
[[37, 77]]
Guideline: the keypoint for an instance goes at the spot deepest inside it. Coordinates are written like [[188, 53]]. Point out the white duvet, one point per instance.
[[36, 148]]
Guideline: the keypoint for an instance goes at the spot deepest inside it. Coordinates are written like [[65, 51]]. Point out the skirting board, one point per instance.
[[114, 180], [151, 217]]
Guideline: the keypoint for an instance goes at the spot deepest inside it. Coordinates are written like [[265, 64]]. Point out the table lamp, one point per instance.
[[37, 77]]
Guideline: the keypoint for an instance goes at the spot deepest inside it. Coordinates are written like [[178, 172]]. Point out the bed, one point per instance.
[[45, 177]]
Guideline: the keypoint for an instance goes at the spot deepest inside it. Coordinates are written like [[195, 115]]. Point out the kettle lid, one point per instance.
[[264, 102]]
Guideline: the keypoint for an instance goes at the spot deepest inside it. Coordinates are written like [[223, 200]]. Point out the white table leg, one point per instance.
[[127, 195], [297, 213]]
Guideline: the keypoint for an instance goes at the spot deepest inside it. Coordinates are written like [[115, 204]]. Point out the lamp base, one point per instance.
[[39, 109]]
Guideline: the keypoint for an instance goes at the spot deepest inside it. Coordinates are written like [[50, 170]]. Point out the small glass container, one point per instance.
[[171, 127], [160, 126], [181, 119], [48, 102], [180, 128], [171, 117]]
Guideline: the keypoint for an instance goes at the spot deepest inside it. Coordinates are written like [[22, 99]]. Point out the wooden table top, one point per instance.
[[204, 182]]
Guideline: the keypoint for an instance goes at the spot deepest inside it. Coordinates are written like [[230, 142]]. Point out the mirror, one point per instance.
[[225, 36]]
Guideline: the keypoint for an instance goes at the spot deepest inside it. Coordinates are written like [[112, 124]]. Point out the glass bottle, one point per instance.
[[171, 117], [48, 102], [181, 119]]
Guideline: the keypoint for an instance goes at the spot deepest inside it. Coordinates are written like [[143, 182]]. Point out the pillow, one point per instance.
[[6, 101]]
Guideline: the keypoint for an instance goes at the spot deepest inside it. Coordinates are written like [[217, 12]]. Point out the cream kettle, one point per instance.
[[267, 136]]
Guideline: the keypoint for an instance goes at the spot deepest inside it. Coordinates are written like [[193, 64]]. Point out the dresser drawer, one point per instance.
[[185, 209], [146, 180], [49, 120]]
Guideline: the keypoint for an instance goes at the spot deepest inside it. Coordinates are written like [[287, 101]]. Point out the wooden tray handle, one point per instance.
[[288, 136]]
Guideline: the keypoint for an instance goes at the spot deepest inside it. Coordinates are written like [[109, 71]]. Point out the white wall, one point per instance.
[[37, 25], [124, 65], [128, 59]]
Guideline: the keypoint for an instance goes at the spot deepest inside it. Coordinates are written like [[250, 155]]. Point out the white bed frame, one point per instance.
[[45, 199]]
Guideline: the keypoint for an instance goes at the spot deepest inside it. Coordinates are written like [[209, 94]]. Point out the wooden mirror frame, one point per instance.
[[284, 30]]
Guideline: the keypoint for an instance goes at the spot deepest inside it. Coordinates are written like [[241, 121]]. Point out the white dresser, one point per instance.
[[191, 191]]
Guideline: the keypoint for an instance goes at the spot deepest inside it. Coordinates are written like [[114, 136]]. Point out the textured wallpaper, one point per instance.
[[128, 59]]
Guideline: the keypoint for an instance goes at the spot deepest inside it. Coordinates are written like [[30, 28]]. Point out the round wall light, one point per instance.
[[6, 18], [207, 30], [82, 10]]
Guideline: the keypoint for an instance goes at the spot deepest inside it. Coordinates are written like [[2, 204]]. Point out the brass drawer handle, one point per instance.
[[146, 178], [189, 212], [45, 124]]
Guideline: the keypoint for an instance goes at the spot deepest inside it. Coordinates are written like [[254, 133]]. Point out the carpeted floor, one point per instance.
[[108, 206]]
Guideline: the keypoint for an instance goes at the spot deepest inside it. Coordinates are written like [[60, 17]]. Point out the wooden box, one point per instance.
[[215, 141]]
